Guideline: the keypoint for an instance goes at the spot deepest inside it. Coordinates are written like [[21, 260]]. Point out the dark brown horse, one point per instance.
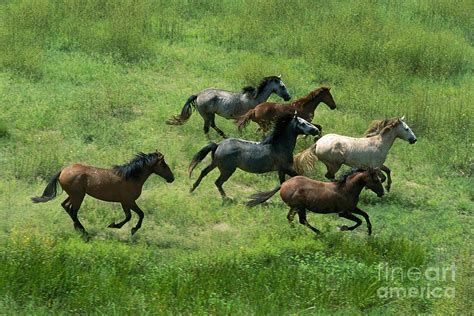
[[302, 194], [120, 184], [265, 114]]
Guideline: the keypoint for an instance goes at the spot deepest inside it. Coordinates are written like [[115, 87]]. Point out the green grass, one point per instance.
[[94, 82]]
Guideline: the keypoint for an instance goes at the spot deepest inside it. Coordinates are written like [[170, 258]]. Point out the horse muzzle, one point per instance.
[[287, 97], [380, 194], [412, 141], [170, 179]]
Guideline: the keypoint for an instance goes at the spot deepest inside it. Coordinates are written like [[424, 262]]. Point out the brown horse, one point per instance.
[[120, 184], [302, 194], [265, 114]]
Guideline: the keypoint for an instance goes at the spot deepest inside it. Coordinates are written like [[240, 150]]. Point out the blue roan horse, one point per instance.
[[275, 153]]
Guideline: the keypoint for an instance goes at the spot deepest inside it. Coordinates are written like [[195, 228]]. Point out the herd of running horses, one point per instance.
[[366, 156]]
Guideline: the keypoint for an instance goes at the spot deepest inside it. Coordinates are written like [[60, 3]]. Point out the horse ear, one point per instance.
[[160, 155], [402, 118], [279, 76], [296, 114]]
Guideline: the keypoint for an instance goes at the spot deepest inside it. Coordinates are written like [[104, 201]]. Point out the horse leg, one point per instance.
[[207, 125], [303, 221], [366, 216], [73, 207], [291, 214], [281, 176], [224, 176], [213, 125], [389, 178], [352, 217], [128, 216], [332, 168], [140, 214], [204, 173]]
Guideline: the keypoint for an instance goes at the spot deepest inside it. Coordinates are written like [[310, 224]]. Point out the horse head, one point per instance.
[[327, 97], [373, 182], [301, 126], [404, 131], [161, 168], [279, 87]]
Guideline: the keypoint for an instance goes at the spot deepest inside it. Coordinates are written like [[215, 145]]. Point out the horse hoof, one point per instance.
[[343, 228], [112, 225], [134, 230]]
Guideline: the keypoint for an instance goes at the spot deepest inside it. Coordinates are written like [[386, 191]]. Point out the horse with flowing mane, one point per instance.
[[302, 194], [367, 152], [275, 153], [267, 113], [121, 184], [230, 105]]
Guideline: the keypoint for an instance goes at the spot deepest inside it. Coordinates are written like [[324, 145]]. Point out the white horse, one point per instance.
[[367, 152]]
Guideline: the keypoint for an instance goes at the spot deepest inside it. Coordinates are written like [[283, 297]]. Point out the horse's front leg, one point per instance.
[[128, 216], [352, 217], [281, 176], [385, 169], [366, 216]]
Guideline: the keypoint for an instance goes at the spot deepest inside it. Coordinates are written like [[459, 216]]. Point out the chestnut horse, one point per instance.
[[302, 194], [267, 113], [121, 184]]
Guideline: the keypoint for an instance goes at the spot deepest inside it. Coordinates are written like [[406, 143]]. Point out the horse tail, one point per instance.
[[305, 160], [186, 112], [261, 197], [200, 155], [245, 119], [50, 191]]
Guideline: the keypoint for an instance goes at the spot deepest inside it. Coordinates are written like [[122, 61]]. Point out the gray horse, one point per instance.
[[230, 105], [275, 153]]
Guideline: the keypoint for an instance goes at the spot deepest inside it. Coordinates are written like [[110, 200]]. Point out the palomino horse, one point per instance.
[[302, 194], [275, 153], [267, 113], [368, 152], [230, 105], [120, 184]]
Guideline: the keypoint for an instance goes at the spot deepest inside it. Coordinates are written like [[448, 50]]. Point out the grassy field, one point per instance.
[[94, 81]]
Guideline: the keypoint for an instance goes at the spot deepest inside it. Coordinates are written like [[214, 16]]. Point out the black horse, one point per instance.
[[275, 153]]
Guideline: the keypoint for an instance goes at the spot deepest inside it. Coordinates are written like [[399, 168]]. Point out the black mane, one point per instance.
[[133, 169], [343, 179], [261, 85], [278, 129]]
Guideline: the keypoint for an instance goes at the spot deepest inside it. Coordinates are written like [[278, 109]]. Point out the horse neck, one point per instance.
[[309, 106], [144, 174], [286, 141], [263, 95], [354, 186], [386, 140]]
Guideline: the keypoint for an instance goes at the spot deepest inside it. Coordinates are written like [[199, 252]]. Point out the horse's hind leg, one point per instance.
[[366, 216], [217, 129], [225, 175], [385, 169], [204, 173], [140, 214], [128, 216], [291, 214], [304, 221], [352, 217], [72, 204]]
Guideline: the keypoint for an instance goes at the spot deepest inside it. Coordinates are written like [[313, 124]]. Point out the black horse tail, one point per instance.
[[186, 112], [50, 191], [261, 197], [245, 119], [200, 155]]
